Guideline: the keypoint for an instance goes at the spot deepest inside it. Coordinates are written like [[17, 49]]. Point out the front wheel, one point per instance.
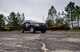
[[32, 30], [43, 31], [22, 30]]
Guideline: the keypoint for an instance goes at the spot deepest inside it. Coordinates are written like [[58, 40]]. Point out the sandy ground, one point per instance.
[[39, 42]]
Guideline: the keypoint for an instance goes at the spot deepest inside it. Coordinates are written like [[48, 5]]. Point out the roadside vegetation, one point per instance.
[[11, 22], [65, 20]]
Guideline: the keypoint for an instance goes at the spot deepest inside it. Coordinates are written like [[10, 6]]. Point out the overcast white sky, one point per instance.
[[33, 9]]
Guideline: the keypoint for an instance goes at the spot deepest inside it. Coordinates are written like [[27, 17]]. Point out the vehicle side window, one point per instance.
[[27, 24]]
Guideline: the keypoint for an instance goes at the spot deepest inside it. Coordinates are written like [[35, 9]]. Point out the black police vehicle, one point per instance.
[[33, 26]]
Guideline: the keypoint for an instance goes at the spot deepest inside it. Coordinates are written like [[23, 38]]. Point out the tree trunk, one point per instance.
[[78, 21], [71, 21], [72, 24]]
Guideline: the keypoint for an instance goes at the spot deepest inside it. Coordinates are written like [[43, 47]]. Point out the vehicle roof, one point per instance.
[[31, 21]]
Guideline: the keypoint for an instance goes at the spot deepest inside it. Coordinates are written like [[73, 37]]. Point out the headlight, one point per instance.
[[36, 24]]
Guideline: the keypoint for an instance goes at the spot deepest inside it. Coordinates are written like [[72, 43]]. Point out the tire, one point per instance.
[[22, 30], [43, 31], [32, 30]]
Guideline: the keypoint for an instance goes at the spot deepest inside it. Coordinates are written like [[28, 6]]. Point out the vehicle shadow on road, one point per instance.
[[37, 32]]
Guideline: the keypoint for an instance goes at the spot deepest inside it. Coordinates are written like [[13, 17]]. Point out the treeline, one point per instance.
[[67, 17], [64, 18], [14, 20]]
